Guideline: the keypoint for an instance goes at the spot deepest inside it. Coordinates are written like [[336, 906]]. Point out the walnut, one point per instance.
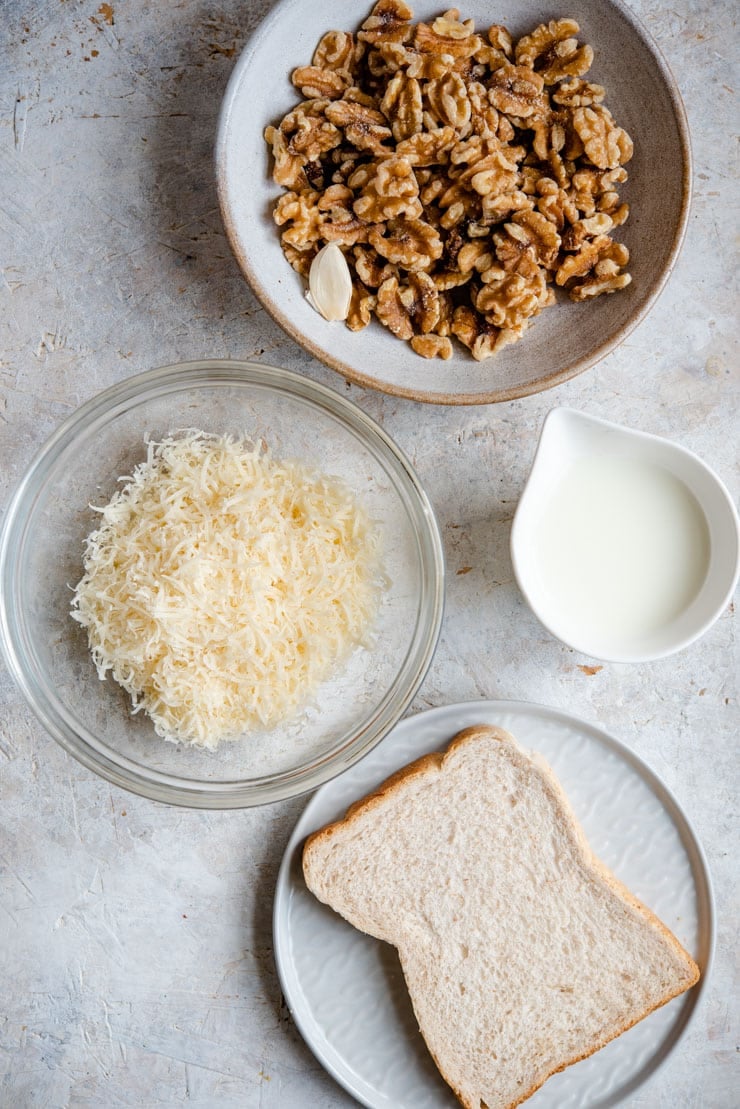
[[390, 190], [553, 52], [287, 168], [473, 255], [371, 268], [595, 286], [308, 132], [591, 254], [339, 223], [573, 148], [336, 196], [303, 136], [432, 346], [448, 36], [391, 311], [575, 93], [420, 298], [598, 224], [561, 169], [450, 25], [544, 237], [446, 310], [479, 229], [389, 21], [590, 186], [444, 280], [497, 206], [619, 213], [530, 175], [585, 190], [402, 105], [606, 145], [466, 325], [364, 127], [537, 235], [582, 230], [345, 166], [301, 212], [300, 260], [555, 204], [517, 91], [491, 175], [430, 192], [357, 95], [346, 232], [360, 307], [447, 100], [338, 50], [507, 300], [499, 37], [487, 57], [469, 150], [458, 204], [428, 149], [315, 175], [316, 82], [427, 67], [549, 134], [482, 338], [412, 244], [515, 253], [453, 244], [486, 121], [387, 58], [456, 195], [497, 50]]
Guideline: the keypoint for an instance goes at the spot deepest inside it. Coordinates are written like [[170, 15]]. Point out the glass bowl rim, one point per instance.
[[77, 740]]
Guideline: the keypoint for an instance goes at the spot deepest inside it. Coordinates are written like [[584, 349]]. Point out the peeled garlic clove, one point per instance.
[[330, 283]]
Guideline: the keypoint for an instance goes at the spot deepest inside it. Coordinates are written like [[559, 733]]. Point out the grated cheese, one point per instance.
[[223, 586]]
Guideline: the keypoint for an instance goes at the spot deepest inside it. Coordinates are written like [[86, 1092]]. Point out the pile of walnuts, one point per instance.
[[461, 174]]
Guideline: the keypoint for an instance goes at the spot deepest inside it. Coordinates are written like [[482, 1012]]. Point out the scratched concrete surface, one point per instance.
[[135, 942]]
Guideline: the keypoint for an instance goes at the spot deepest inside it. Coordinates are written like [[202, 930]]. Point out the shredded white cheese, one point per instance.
[[223, 586]]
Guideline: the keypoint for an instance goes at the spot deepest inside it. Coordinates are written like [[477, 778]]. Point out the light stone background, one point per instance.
[[135, 944]]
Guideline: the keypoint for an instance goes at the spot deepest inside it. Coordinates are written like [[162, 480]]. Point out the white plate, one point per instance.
[[345, 989], [565, 339]]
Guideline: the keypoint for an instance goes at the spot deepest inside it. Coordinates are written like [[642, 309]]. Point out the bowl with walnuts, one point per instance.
[[448, 208]]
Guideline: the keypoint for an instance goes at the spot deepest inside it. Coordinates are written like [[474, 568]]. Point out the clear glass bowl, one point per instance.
[[41, 550]]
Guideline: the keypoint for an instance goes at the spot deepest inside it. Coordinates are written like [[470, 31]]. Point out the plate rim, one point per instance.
[[490, 396], [489, 706]]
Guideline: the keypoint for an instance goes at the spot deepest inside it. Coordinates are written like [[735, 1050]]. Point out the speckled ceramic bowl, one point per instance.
[[564, 340]]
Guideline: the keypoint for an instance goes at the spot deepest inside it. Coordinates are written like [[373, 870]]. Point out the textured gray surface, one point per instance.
[[135, 949]]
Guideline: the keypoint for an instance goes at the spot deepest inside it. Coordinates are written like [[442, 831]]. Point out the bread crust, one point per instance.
[[434, 763]]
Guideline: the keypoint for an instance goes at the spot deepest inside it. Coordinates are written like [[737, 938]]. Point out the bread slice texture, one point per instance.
[[521, 951]]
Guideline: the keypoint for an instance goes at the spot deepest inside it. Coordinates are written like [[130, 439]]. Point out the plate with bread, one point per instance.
[[501, 904]]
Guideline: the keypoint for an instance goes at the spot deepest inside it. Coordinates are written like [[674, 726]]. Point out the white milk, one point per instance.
[[621, 548]]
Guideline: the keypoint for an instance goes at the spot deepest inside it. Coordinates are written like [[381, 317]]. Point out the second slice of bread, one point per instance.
[[522, 953]]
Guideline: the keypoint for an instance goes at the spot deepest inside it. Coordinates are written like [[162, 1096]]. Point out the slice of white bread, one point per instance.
[[522, 953]]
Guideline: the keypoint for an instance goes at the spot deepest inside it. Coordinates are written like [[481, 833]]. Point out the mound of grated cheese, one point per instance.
[[223, 586]]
